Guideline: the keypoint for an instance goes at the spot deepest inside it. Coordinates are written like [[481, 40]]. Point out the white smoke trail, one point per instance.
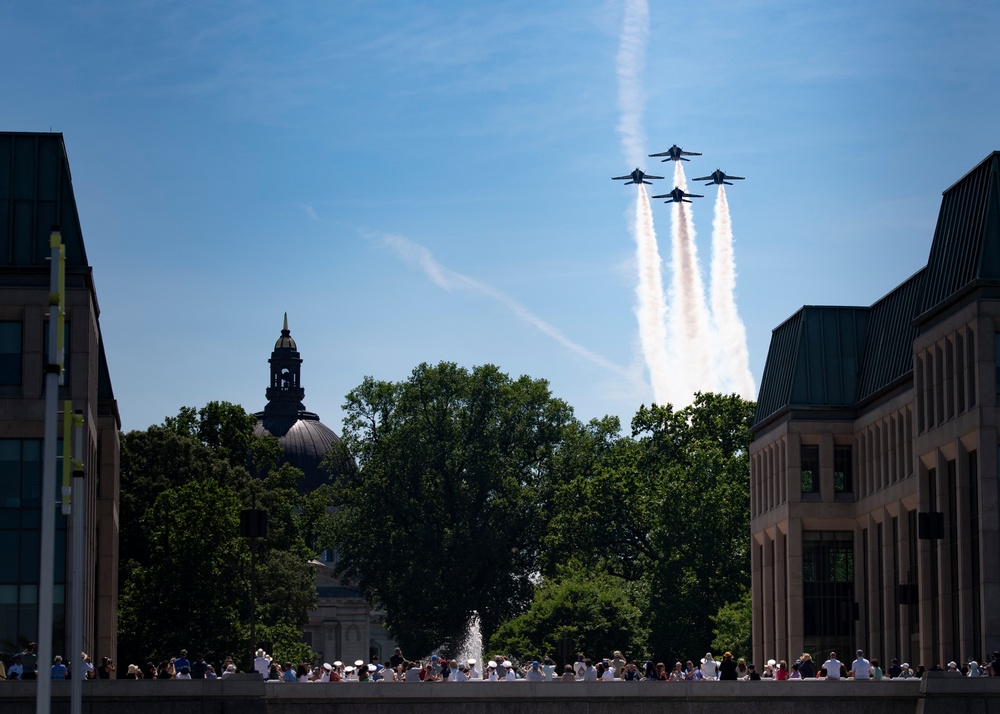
[[651, 310], [689, 321], [631, 98], [734, 365], [449, 279]]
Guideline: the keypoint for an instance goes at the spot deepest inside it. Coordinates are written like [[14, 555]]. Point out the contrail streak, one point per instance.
[[450, 280], [631, 98], [651, 310], [690, 326], [734, 359]]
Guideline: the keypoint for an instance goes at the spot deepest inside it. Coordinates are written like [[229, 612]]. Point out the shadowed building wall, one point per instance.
[[869, 421], [36, 193]]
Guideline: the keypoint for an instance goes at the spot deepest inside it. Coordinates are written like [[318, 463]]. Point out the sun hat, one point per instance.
[[327, 666]]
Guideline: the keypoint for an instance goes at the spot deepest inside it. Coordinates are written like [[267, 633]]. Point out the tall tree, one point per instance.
[[578, 610], [667, 508], [180, 484], [446, 512]]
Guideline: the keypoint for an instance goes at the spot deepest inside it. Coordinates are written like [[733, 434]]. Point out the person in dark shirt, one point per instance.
[[894, 669], [396, 659], [199, 667], [727, 668], [753, 676]]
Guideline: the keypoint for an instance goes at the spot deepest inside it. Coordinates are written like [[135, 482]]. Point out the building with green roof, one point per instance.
[[36, 193], [874, 460]]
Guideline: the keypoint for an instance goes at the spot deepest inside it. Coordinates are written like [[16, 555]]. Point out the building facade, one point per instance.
[[874, 461], [343, 626], [36, 193]]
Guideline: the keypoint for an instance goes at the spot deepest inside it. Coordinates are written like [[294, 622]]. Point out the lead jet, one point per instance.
[[678, 196], [676, 153], [637, 177], [718, 177]]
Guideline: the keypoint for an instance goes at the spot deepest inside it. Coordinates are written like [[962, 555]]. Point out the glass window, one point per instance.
[[828, 590], [810, 468], [10, 353], [843, 480]]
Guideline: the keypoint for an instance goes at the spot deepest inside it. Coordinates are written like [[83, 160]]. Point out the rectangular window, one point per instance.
[[810, 468], [20, 500], [10, 354], [828, 605], [843, 476]]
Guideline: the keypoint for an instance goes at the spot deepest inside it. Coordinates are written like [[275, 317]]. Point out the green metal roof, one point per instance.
[[36, 193], [838, 357]]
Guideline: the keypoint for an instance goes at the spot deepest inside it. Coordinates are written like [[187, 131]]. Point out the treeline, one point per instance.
[[473, 494]]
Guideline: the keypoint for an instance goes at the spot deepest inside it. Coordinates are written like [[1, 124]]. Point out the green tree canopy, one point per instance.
[[667, 508], [578, 610], [184, 573], [446, 512]]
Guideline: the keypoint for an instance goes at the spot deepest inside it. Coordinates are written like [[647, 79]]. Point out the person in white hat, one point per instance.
[[262, 663], [709, 667], [493, 676], [473, 672], [511, 674]]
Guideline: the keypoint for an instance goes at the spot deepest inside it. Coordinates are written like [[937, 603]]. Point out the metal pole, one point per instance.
[[79, 515], [46, 564]]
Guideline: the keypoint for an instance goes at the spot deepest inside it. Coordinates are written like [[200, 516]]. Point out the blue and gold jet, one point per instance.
[[637, 177]]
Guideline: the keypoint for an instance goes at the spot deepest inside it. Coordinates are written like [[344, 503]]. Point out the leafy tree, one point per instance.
[[699, 456], [667, 508], [577, 611], [171, 477], [191, 587], [446, 512], [733, 629]]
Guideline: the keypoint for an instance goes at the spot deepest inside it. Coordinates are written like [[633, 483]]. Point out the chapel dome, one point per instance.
[[304, 438]]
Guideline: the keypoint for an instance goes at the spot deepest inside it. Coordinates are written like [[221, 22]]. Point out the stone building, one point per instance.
[[874, 460], [344, 626], [36, 193]]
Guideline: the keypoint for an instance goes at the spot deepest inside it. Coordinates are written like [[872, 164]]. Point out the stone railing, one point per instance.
[[247, 694]]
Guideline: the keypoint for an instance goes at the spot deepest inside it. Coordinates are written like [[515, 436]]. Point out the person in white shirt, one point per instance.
[[413, 672], [473, 672], [511, 675], [832, 667], [709, 667], [534, 673], [262, 663], [862, 667]]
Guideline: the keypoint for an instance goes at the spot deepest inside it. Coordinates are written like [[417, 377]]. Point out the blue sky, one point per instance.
[[425, 181]]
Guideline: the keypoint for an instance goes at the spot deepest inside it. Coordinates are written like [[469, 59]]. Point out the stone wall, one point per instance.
[[936, 694]]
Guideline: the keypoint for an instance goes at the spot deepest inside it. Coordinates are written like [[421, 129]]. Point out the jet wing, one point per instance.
[[691, 153], [652, 177], [704, 178], [620, 178], [662, 153]]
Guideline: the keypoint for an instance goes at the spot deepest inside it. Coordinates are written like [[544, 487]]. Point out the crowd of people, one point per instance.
[[500, 669]]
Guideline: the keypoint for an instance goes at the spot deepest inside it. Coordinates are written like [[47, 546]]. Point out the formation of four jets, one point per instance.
[[676, 153]]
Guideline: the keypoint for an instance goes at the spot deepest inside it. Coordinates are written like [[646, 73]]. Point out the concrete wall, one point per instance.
[[936, 694]]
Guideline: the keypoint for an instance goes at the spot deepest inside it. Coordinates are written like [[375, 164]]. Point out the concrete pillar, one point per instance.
[[768, 572], [795, 617]]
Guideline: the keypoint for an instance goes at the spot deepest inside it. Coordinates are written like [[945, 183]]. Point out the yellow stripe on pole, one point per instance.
[[67, 459]]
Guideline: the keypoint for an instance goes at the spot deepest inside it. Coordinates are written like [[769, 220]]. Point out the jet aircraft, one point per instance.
[[718, 177], [637, 177], [678, 196], [676, 153]]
